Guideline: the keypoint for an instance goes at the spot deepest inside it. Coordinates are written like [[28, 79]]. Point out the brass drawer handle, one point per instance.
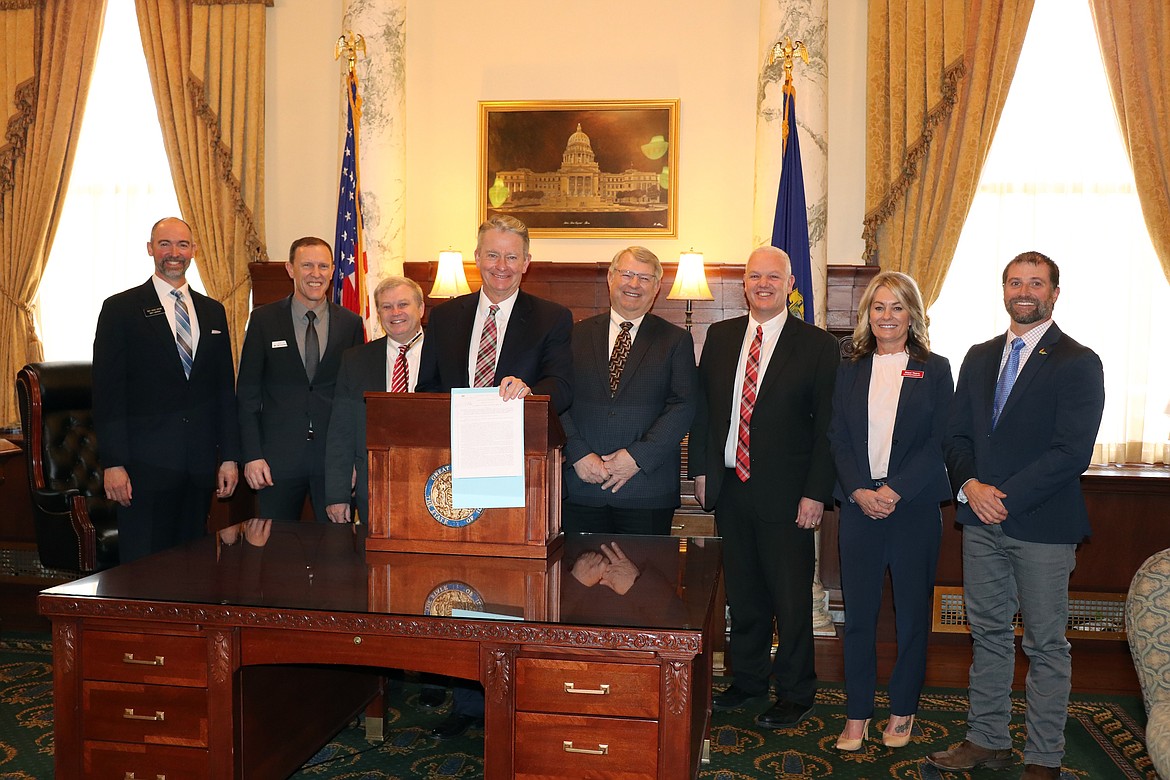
[[132, 776], [601, 750], [601, 691], [128, 658], [158, 715]]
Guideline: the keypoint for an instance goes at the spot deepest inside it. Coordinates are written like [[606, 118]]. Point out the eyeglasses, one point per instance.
[[629, 276]]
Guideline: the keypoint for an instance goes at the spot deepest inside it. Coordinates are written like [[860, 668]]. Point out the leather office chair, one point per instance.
[[76, 526]]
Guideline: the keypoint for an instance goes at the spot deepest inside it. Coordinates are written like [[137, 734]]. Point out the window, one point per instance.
[[1057, 180], [119, 186]]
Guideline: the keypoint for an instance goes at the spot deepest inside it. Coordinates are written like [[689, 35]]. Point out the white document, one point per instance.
[[487, 449]]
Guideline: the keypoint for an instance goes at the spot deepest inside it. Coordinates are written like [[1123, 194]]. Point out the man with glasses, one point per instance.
[[633, 401]]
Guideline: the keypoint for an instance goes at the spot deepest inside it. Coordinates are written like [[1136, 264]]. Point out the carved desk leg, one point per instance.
[[67, 699], [498, 670]]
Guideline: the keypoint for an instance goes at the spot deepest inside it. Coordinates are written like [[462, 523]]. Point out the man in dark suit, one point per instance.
[[386, 364], [164, 404], [288, 370], [1023, 423], [500, 336], [760, 457], [633, 401], [497, 337]]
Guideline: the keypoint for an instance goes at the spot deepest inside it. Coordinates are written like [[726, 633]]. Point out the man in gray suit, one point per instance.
[[387, 364], [288, 369], [633, 401]]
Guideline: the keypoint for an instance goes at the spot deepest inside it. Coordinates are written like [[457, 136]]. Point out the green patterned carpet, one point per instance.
[[1105, 737]]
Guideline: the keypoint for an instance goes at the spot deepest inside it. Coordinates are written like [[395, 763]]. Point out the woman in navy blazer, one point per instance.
[[890, 407]]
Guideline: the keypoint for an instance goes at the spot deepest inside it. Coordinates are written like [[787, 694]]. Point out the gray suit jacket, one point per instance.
[[277, 403], [649, 415]]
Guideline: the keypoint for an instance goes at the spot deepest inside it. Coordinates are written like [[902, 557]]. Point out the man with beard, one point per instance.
[[1024, 419], [164, 402]]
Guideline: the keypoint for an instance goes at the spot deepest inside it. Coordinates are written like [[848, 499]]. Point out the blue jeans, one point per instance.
[[1000, 576]]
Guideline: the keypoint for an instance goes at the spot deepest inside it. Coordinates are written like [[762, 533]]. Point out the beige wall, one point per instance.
[[463, 51]]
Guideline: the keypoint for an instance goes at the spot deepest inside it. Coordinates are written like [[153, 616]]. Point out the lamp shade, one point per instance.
[[450, 280], [690, 283]]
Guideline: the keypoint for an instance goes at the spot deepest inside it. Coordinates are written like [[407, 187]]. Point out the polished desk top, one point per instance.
[[322, 567]]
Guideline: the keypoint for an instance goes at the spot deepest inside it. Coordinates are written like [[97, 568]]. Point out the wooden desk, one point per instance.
[[217, 661]]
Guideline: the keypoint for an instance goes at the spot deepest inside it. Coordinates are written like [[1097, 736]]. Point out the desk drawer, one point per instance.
[[122, 761], [159, 659], [577, 687], [154, 714], [557, 746]]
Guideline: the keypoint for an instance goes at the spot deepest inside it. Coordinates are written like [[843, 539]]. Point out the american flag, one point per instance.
[[349, 273]]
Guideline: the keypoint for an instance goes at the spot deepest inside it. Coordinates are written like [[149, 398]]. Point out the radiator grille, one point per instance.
[[1090, 615]]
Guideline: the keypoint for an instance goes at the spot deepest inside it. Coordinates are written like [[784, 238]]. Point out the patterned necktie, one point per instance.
[[312, 346], [399, 379], [1007, 378], [485, 360], [183, 333], [617, 360], [747, 404]]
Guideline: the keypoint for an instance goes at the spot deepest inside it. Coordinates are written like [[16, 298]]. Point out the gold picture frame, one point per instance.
[[581, 169]]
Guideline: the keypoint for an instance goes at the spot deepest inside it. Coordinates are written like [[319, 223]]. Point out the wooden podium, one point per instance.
[[408, 442]]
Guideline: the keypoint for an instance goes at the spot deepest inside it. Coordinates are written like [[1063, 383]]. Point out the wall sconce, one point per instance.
[[690, 281], [450, 281]]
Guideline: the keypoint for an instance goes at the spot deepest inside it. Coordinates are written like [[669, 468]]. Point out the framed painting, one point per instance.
[[571, 169]]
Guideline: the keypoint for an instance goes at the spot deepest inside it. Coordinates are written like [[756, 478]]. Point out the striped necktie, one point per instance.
[[485, 360], [183, 333], [747, 405], [398, 379]]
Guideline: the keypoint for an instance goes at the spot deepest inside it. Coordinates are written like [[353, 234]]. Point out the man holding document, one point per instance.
[[500, 336], [497, 337]]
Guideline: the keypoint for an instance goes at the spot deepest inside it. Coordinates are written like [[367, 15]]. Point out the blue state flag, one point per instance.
[[790, 230]]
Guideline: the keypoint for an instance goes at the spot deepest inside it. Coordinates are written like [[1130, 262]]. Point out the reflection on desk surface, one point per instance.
[[593, 579]]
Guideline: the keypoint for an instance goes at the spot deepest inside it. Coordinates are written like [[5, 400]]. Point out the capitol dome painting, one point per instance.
[[580, 169]]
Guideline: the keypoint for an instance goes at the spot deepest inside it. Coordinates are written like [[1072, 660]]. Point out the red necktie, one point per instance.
[[485, 360], [747, 404], [398, 380]]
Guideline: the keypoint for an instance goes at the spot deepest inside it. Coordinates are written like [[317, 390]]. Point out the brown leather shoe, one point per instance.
[[1038, 772], [967, 755]]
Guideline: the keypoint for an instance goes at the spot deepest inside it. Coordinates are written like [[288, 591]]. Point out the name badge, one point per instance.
[[279, 344], [912, 374], [153, 311]]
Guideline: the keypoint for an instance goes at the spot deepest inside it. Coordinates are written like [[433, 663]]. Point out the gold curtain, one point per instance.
[[938, 75], [1134, 36], [206, 63], [47, 53]]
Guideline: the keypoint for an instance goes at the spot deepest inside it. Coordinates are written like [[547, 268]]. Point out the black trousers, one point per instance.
[[578, 518]]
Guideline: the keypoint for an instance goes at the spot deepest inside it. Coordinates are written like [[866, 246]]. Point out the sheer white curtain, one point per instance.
[[119, 187], [1057, 180]]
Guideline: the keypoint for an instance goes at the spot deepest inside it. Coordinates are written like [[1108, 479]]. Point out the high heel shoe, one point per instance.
[[847, 745], [900, 737]]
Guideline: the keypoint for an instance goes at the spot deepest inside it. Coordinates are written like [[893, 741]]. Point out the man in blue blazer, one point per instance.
[[766, 470], [530, 348], [498, 337], [284, 409], [633, 401], [164, 404], [373, 367], [1025, 416]]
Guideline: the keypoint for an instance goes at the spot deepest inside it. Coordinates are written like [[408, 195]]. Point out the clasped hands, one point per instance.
[[611, 471], [609, 567], [876, 504]]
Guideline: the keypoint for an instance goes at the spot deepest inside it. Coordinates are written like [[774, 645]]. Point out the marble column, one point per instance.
[[382, 154], [805, 21]]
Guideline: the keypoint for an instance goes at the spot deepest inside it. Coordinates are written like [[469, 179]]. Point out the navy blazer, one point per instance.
[[162, 426], [916, 469], [277, 401], [535, 347], [649, 416], [363, 369], [1044, 439], [789, 442]]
